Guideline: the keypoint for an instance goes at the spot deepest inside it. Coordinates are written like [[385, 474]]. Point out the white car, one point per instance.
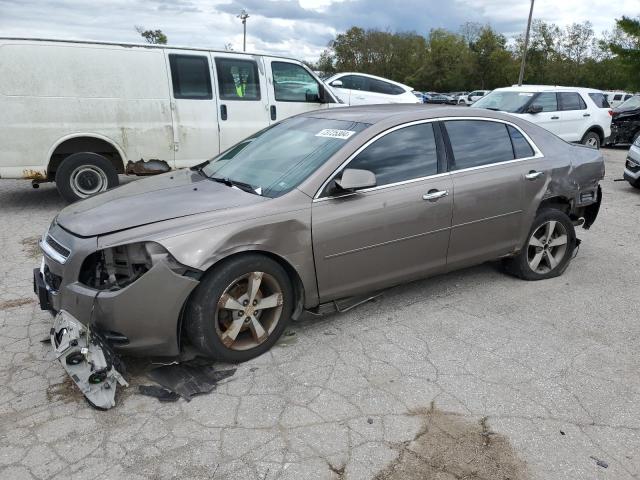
[[364, 89], [472, 97], [617, 98], [572, 113]]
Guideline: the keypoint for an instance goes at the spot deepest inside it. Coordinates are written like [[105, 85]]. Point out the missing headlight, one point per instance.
[[116, 267]]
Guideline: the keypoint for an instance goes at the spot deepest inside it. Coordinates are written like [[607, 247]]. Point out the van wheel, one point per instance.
[[591, 139], [550, 244], [82, 175], [240, 308]]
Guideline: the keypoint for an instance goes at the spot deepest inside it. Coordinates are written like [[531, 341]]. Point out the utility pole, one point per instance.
[[243, 16], [526, 46]]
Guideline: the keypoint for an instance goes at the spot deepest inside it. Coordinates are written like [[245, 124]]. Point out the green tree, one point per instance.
[[627, 48], [152, 36], [492, 64]]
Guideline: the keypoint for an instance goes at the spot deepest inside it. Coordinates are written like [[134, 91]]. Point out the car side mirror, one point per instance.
[[355, 179], [534, 109], [336, 83]]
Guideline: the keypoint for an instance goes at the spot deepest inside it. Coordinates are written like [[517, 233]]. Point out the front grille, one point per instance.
[[632, 166], [53, 243]]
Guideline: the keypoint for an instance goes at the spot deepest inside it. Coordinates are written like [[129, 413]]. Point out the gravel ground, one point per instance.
[[472, 374]]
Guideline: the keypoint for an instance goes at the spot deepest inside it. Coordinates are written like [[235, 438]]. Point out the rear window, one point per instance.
[[378, 86], [190, 77], [600, 99], [478, 142], [521, 147], [571, 101]]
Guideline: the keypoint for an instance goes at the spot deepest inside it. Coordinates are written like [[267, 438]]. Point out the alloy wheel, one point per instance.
[[248, 311], [547, 247]]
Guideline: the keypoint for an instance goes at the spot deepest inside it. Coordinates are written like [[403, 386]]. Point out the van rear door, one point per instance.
[[242, 92], [193, 107], [292, 89]]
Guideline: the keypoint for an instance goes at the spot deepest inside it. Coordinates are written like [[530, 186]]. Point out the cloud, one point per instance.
[[298, 28]]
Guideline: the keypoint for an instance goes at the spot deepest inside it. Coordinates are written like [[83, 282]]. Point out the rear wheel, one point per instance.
[[591, 139], [240, 308], [82, 175], [550, 244]]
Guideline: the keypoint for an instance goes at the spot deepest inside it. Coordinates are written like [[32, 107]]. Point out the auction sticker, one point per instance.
[[335, 133]]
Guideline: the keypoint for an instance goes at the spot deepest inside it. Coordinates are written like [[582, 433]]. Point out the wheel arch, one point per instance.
[[596, 129], [557, 202], [84, 142]]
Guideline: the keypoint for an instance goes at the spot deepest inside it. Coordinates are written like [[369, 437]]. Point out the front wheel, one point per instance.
[[550, 244], [82, 175], [240, 308]]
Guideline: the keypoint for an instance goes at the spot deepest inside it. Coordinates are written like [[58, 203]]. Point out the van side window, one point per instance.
[[238, 79], [190, 77], [521, 148], [571, 101], [478, 142], [292, 83]]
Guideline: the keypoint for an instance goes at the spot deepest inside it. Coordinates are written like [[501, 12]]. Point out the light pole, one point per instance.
[[526, 46], [243, 16]]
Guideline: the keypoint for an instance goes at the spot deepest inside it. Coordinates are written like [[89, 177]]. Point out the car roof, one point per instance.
[[398, 113], [546, 88], [342, 74]]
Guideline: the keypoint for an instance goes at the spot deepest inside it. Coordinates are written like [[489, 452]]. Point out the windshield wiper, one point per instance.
[[234, 183]]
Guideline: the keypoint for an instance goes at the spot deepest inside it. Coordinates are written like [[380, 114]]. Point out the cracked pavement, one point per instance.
[[552, 365]]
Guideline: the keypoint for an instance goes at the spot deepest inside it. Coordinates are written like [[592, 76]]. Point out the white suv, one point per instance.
[[472, 97], [363, 89], [574, 114]]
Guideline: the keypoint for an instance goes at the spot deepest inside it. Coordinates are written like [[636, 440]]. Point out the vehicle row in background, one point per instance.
[[363, 89], [574, 114], [617, 98]]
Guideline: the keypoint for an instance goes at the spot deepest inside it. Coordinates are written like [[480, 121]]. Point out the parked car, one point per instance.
[[325, 206], [625, 124], [472, 97], [617, 98], [437, 98], [364, 89], [80, 113], [420, 96], [632, 165], [574, 114]]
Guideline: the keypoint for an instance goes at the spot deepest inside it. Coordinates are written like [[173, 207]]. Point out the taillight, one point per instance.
[[611, 113]]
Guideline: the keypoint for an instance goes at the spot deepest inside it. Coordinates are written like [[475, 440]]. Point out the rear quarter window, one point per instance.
[[600, 99]]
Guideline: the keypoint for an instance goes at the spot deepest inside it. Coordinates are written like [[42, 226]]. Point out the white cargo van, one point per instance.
[[80, 113]]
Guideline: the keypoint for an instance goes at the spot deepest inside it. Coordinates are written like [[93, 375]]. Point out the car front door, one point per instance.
[[488, 191], [575, 116], [549, 116], [342, 89], [390, 233], [193, 109], [243, 99], [292, 90]]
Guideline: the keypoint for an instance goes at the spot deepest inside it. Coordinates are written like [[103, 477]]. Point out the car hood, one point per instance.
[[141, 202], [625, 113]]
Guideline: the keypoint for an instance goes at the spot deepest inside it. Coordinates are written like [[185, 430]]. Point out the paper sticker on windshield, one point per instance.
[[335, 133], [526, 94]]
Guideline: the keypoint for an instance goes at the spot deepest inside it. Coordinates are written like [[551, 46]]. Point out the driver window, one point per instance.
[[547, 101], [292, 83], [238, 79]]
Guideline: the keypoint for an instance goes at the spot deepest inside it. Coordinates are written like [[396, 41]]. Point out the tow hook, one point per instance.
[[88, 359]]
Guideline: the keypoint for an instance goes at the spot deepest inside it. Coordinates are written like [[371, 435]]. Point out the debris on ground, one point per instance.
[[156, 391], [188, 380], [600, 463]]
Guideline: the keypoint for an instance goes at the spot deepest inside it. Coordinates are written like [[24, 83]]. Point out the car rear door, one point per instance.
[[575, 116], [242, 91], [193, 108], [292, 89], [488, 191], [393, 232]]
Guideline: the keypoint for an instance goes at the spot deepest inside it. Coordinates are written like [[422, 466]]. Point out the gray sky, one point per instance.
[[299, 28]]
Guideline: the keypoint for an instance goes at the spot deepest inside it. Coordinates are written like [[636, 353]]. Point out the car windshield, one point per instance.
[[276, 160], [631, 104], [504, 100]]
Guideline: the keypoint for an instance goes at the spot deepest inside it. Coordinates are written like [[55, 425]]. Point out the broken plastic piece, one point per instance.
[[600, 463], [189, 380], [161, 393], [88, 359]]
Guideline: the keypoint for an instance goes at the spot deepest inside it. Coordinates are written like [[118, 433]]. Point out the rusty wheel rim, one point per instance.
[[248, 311]]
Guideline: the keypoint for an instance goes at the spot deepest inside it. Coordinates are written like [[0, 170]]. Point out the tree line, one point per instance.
[[478, 57]]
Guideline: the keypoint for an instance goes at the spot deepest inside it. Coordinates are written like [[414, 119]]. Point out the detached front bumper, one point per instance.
[[88, 359]]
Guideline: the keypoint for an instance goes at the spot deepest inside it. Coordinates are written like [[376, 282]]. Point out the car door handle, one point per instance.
[[533, 175], [223, 112], [273, 112], [433, 195], [586, 114], [555, 118]]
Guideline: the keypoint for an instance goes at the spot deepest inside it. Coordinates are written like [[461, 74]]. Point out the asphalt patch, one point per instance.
[[451, 446]]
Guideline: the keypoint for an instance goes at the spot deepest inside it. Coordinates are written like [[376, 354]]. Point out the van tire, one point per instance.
[[82, 175], [591, 139]]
